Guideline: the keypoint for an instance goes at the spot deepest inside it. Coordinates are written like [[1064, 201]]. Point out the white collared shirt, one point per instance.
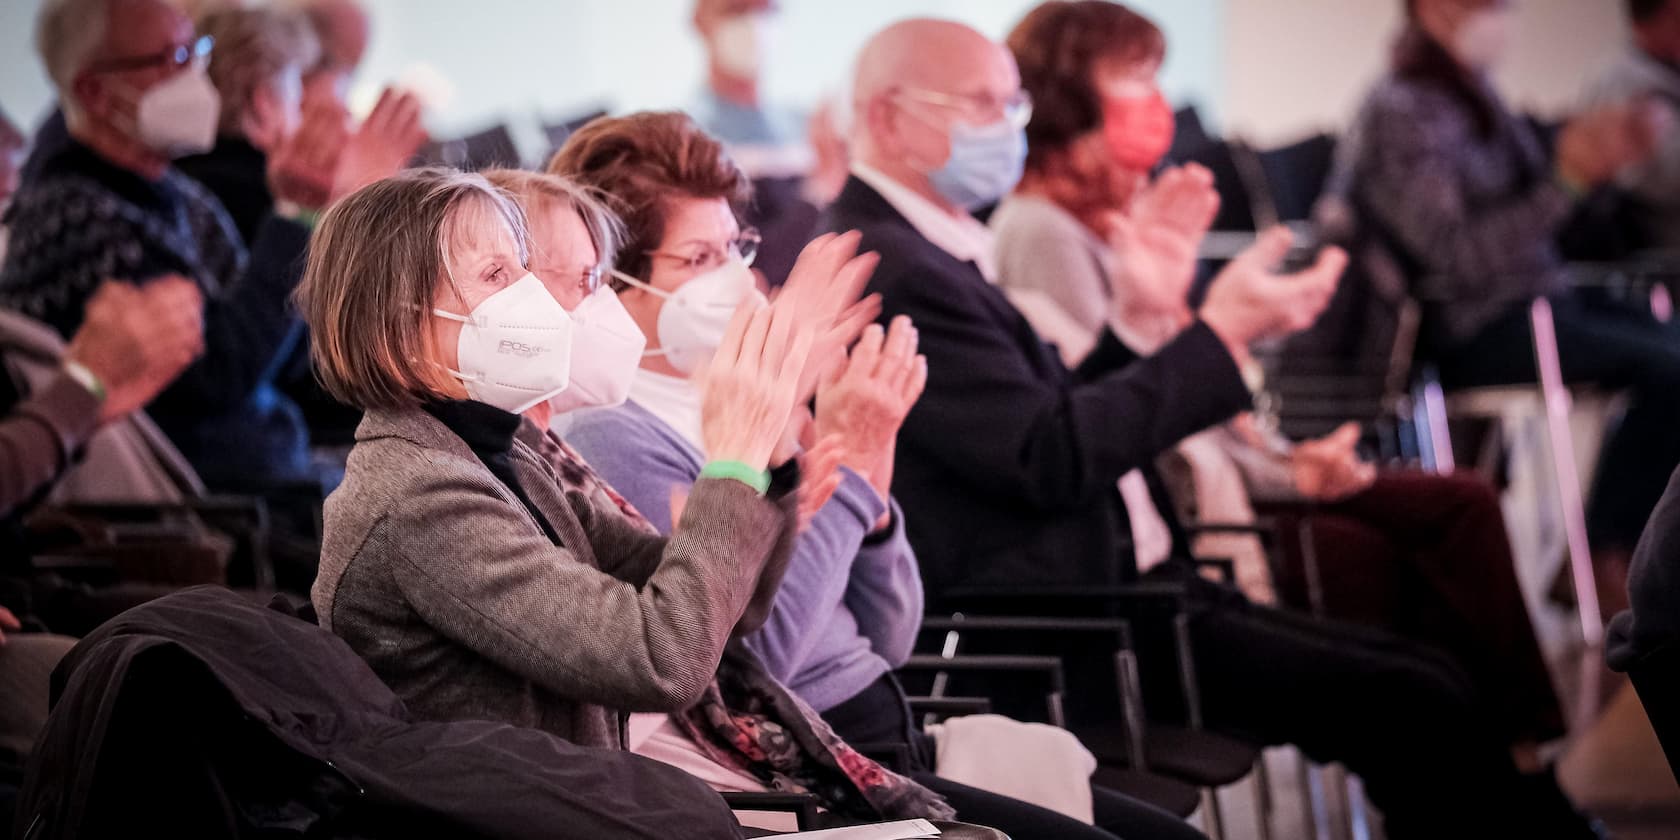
[[962, 236]]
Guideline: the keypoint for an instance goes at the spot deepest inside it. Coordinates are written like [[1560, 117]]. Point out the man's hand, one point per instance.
[[1328, 469], [136, 340], [1252, 300], [1156, 242]]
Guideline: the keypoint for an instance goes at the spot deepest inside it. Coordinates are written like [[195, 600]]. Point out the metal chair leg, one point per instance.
[[1359, 823], [1337, 800], [1566, 471], [1213, 822], [1262, 799], [1316, 809]]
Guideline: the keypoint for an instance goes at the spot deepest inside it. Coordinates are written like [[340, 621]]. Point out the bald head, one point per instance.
[[940, 55], [915, 82]]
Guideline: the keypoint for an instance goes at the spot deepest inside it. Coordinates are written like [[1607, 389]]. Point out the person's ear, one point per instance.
[[262, 122], [92, 95], [888, 124]]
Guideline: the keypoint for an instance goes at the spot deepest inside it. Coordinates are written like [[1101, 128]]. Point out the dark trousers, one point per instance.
[[1426, 557], [1402, 716], [878, 714], [1610, 346]]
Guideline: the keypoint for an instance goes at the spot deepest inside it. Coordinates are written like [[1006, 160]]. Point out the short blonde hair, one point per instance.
[[375, 263], [537, 191], [254, 46]]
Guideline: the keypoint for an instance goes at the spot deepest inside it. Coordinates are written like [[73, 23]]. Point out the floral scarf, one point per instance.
[[748, 721]]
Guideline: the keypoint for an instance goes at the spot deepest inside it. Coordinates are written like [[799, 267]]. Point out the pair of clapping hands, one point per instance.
[[816, 338]]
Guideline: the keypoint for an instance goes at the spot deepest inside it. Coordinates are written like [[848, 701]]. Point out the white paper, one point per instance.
[[901, 830]]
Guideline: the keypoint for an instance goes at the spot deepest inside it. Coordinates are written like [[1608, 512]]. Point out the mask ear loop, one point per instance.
[[646, 287], [451, 316]]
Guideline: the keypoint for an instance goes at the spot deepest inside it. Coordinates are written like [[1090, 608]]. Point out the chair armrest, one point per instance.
[[1120, 628], [244, 518], [950, 706], [1224, 567], [802, 805], [1049, 666], [1141, 592]]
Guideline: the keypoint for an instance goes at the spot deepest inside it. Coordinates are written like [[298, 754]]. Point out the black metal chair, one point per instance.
[[1149, 759]]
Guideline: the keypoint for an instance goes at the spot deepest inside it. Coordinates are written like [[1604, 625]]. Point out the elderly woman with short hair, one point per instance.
[[453, 561], [257, 68]]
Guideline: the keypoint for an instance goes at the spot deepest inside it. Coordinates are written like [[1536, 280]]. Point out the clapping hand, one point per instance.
[[137, 339], [301, 169], [383, 144], [864, 402], [1157, 239], [1253, 299]]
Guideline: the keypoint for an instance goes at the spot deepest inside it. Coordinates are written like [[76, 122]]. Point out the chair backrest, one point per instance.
[[558, 131], [1236, 204], [485, 149], [1296, 174]]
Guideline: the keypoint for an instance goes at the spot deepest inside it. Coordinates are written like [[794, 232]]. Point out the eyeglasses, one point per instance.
[[978, 108], [174, 58], [588, 279], [704, 257]]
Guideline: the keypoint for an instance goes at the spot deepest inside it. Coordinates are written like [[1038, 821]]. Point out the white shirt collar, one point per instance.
[[963, 237]]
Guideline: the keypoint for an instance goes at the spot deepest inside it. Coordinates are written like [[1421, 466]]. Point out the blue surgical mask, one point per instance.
[[986, 161]]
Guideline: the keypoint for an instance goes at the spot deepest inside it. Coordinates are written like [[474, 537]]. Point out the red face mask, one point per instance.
[[1138, 130]]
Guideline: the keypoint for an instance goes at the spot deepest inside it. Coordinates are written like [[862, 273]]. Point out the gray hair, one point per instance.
[[535, 189], [67, 35], [254, 47], [374, 266]]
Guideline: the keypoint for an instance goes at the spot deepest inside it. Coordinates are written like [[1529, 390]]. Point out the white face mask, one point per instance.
[[177, 116], [742, 43], [606, 350], [1480, 40], [515, 349], [695, 316]]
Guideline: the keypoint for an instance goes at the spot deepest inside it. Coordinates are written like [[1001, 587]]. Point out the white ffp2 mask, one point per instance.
[[606, 351], [695, 316], [742, 43], [515, 348], [177, 116]]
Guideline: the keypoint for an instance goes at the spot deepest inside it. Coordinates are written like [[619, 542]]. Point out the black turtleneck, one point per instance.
[[489, 432]]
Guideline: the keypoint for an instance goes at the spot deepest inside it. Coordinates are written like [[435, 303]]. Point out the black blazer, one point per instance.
[[1006, 468]]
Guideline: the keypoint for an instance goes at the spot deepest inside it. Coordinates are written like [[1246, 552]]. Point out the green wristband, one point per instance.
[[758, 480]]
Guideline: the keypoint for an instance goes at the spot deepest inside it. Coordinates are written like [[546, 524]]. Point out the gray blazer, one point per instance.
[[436, 574]]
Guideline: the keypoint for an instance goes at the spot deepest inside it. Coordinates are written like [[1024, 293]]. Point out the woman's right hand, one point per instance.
[[769, 359], [823, 294], [864, 404]]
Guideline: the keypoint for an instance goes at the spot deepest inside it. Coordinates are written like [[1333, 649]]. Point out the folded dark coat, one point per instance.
[[202, 714]]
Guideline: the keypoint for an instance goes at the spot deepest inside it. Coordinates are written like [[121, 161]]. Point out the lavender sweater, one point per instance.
[[847, 612]]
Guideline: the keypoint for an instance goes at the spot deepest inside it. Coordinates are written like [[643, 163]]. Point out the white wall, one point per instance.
[[1270, 69], [1295, 67], [509, 59]]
